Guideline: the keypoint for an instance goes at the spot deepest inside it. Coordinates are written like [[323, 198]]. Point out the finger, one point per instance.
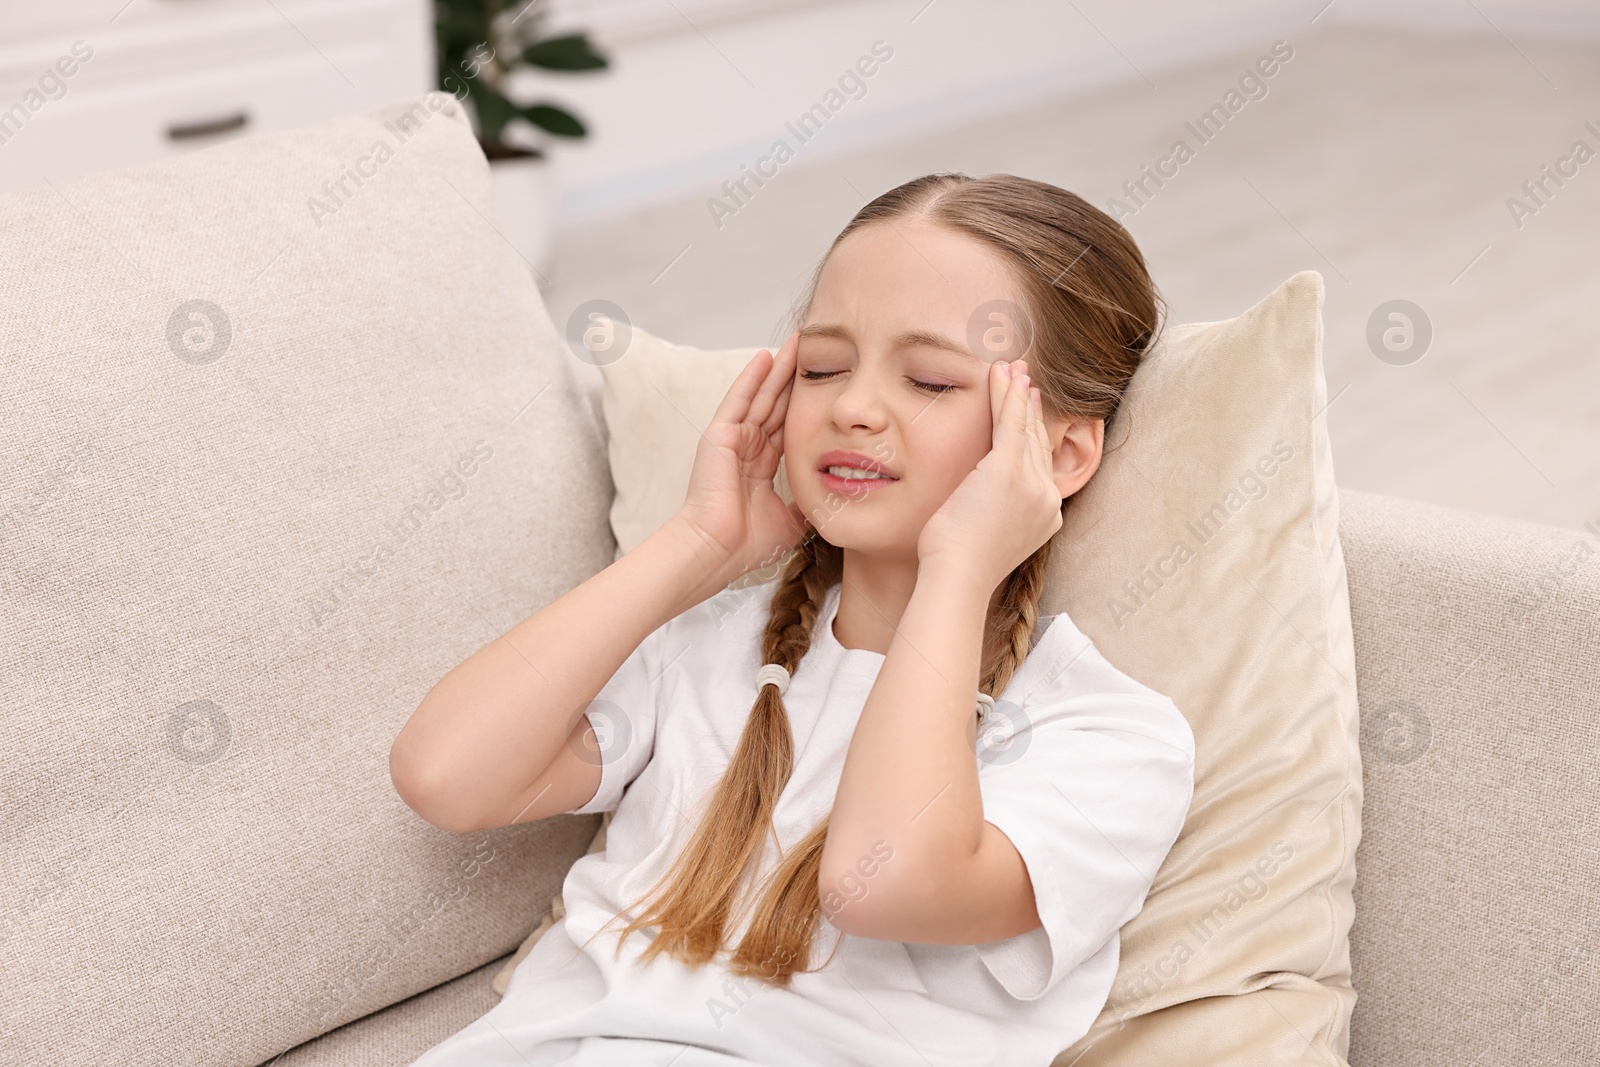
[[767, 383], [761, 402], [999, 383], [1045, 451], [1035, 446], [766, 398], [783, 371], [1026, 437], [1042, 452], [1013, 415], [735, 405]]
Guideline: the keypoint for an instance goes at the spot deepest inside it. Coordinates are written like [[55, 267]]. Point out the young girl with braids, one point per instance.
[[878, 811]]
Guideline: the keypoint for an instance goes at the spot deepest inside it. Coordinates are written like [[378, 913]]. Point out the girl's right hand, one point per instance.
[[732, 503]]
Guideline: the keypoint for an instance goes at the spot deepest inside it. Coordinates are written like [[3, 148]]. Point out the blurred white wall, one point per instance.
[[1557, 19], [700, 90]]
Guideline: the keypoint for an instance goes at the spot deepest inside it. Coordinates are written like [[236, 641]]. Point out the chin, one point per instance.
[[864, 533]]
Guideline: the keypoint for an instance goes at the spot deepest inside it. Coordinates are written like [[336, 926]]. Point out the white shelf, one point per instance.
[[163, 77]]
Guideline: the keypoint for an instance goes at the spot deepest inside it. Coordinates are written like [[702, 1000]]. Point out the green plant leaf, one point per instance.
[[567, 52], [493, 110], [465, 66], [554, 119]]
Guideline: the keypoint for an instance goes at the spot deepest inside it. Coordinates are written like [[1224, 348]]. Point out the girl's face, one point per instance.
[[894, 364]]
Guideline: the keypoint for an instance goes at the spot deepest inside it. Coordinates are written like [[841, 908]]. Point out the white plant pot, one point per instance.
[[524, 205]]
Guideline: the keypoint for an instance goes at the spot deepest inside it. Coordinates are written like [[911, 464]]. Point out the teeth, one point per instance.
[[853, 472]]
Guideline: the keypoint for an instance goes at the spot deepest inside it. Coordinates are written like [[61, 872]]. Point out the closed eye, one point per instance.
[[932, 387]]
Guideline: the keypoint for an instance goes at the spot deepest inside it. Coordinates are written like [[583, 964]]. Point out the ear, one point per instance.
[[1077, 445]]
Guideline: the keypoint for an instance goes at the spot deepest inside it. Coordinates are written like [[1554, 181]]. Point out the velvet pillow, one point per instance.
[[1203, 559]]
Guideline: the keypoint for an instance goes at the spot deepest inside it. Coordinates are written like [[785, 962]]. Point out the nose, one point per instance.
[[861, 402]]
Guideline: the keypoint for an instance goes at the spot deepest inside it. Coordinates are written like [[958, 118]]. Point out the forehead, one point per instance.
[[888, 279]]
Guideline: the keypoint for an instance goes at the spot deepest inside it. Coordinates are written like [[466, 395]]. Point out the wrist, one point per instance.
[[948, 570], [688, 552]]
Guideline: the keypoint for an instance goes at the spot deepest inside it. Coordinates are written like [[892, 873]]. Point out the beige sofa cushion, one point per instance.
[[399, 1034], [239, 540], [1203, 559]]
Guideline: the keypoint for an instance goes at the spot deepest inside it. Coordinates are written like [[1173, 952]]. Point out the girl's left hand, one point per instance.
[[1009, 504]]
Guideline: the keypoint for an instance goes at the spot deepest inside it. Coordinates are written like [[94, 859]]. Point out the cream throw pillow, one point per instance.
[[1203, 559], [660, 397]]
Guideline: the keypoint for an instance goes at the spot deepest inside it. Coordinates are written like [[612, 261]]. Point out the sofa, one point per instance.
[[273, 464]]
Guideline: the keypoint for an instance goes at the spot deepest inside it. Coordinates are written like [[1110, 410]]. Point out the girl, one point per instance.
[[877, 811]]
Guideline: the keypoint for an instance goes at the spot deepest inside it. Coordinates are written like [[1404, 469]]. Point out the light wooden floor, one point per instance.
[[1383, 159]]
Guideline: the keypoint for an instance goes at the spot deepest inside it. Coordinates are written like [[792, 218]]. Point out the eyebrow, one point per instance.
[[908, 339]]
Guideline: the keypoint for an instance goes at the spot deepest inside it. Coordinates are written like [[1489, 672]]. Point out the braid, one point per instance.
[[694, 909], [701, 889], [1015, 618], [778, 942]]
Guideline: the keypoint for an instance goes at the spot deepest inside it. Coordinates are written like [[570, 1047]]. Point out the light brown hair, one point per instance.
[[1092, 311]]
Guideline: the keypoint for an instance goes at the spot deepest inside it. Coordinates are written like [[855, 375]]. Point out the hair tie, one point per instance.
[[776, 674], [773, 674]]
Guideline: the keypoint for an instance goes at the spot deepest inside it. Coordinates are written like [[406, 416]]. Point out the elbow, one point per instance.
[[857, 916], [425, 795], [843, 912], [851, 902], [887, 905]]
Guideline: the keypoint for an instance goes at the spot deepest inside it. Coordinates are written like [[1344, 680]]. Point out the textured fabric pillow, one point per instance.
[[287, 433], [1203, 559]]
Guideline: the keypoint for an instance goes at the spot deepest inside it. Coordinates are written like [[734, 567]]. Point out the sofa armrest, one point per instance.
[[1478, 668]]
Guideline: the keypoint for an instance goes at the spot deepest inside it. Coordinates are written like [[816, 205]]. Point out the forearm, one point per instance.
[[910, 778], [492, 724]]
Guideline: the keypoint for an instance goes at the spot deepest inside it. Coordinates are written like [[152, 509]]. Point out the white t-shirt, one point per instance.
[[1088, 772]]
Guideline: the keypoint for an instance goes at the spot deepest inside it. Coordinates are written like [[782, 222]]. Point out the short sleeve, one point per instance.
[[624, 715], [1092, 790]]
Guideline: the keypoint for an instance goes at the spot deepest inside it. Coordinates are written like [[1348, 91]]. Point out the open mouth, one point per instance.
[[853, 473], [855, 485]]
